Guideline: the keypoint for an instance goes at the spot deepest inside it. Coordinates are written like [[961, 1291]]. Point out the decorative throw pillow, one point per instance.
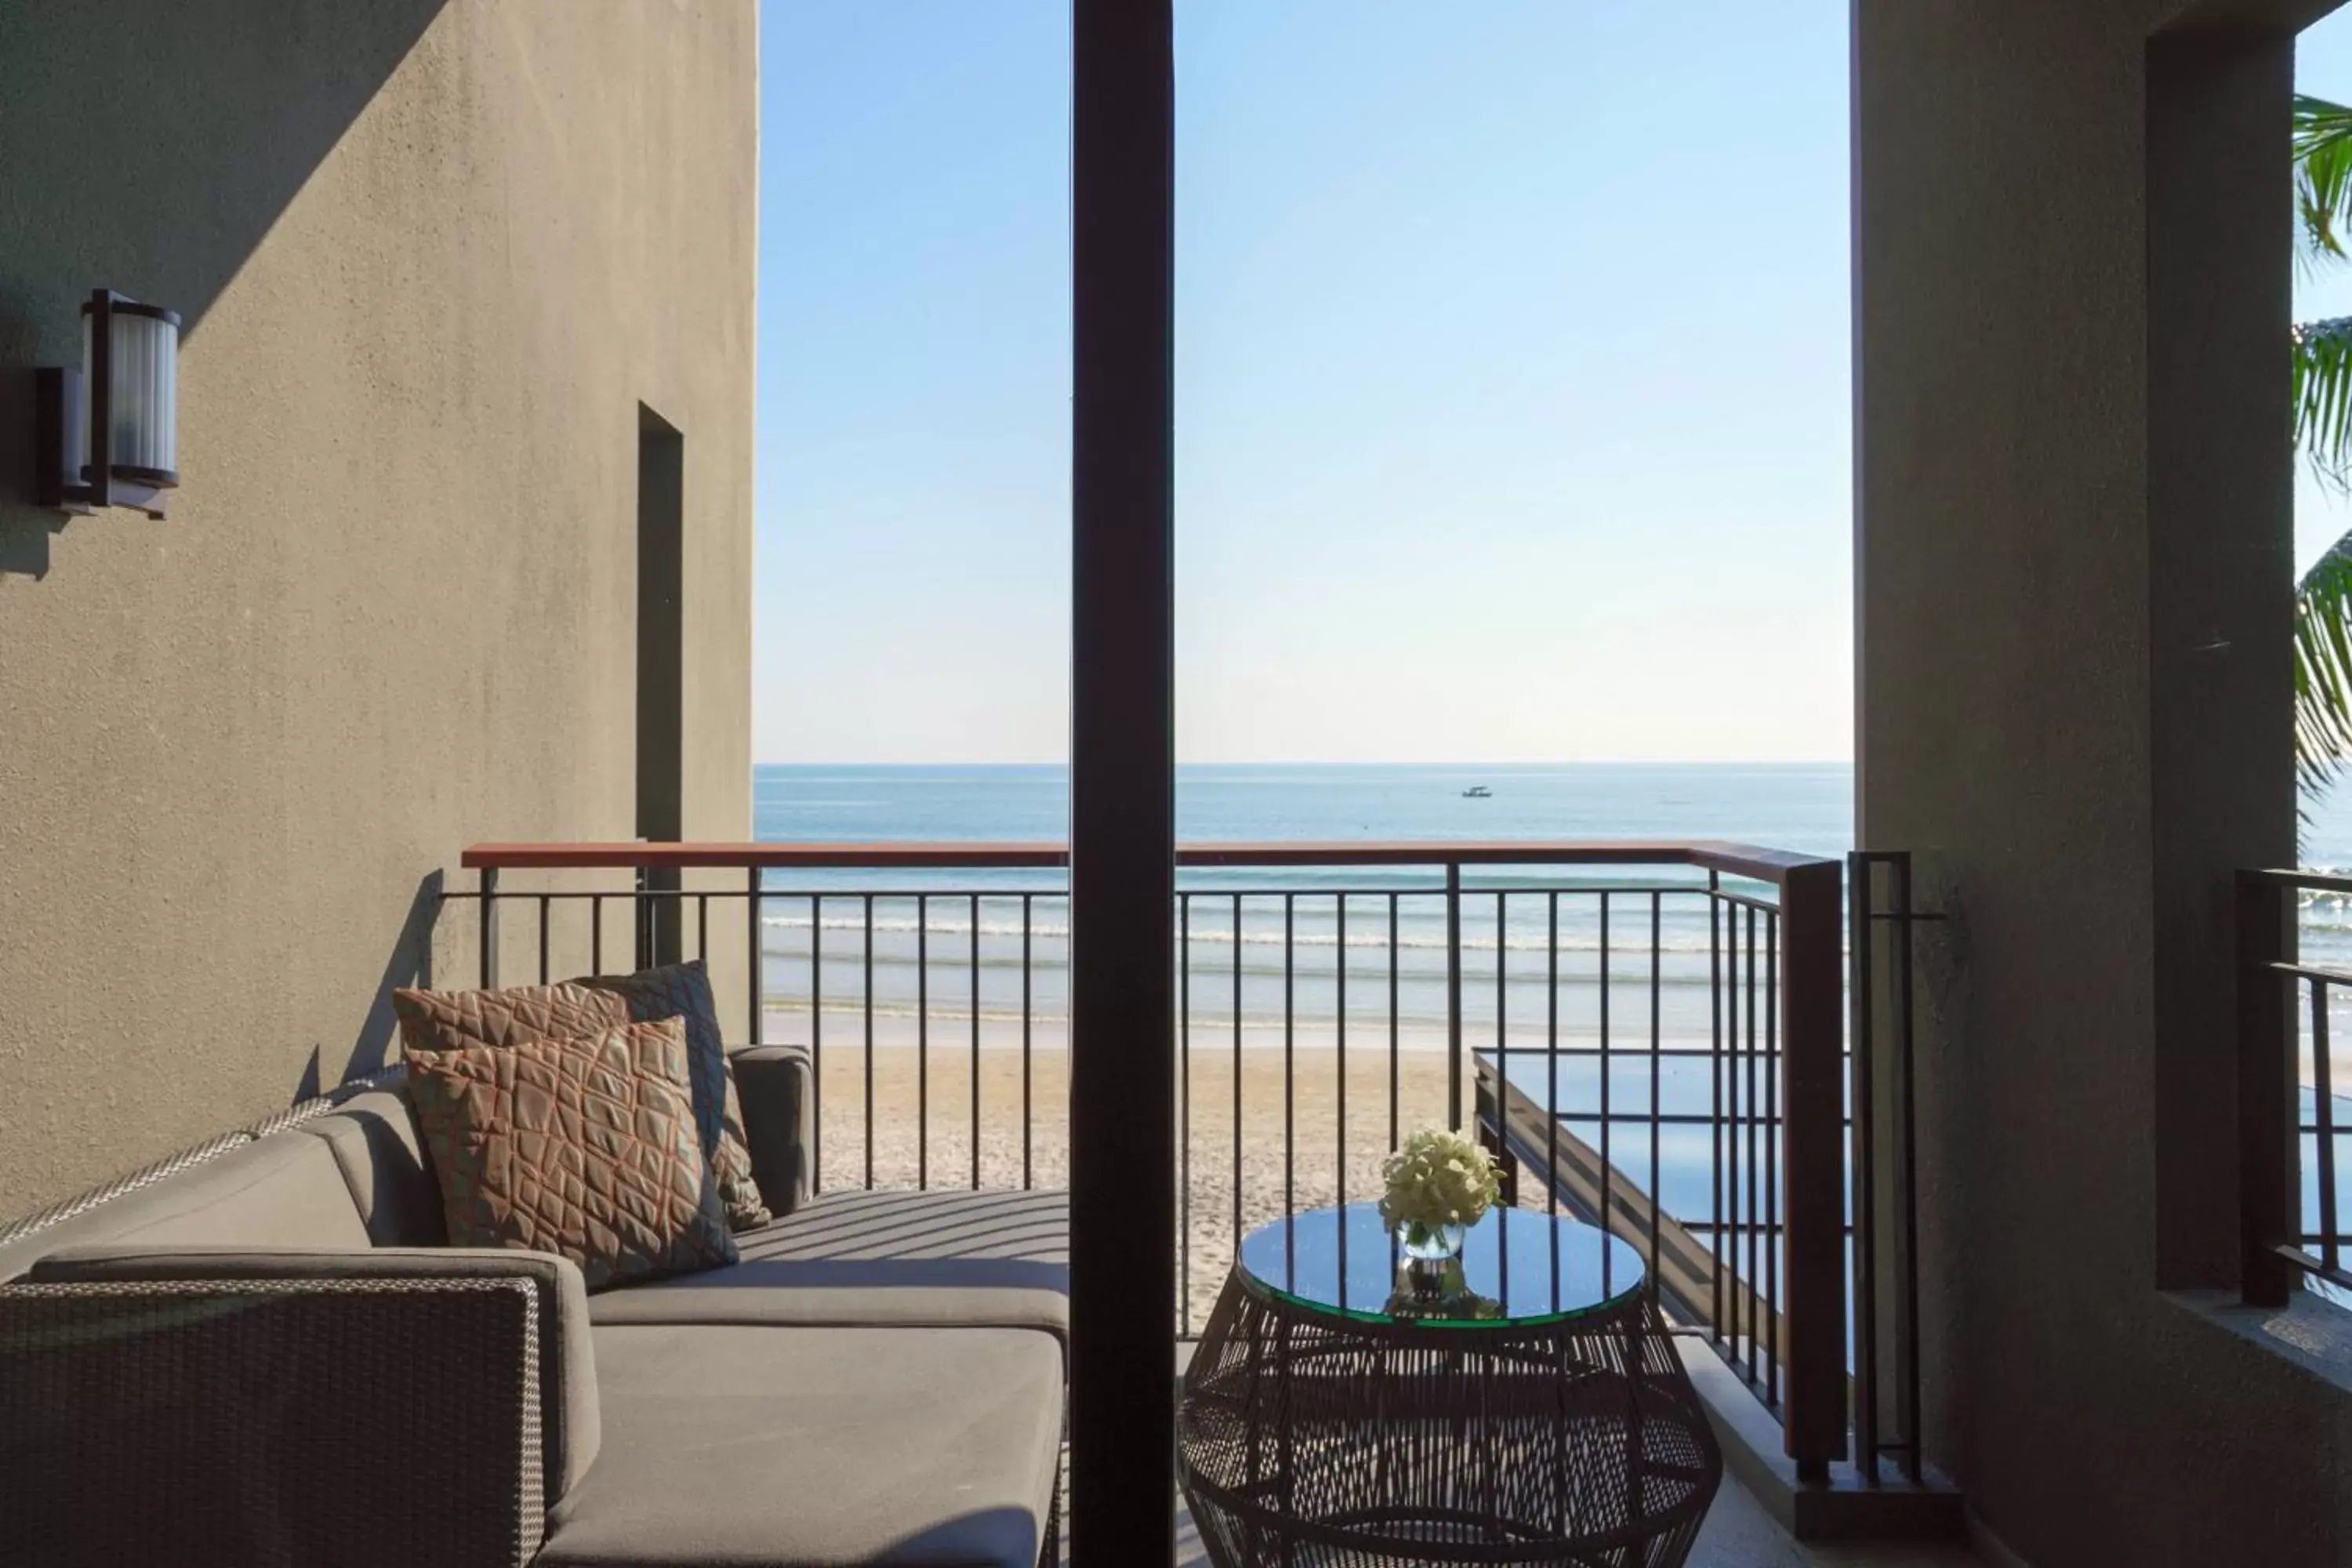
[[450, 1020], [682, 991], [586, 1147]]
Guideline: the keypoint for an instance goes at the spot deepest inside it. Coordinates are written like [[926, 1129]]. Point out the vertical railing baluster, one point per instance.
[[596, 934], [817, 1039], [1735, 1135], [1608, 1168], [1290, 1058], [486, 962], [702, 927], [1718, 1171], [1237, 1072], [755, 981], [648, 917], [1771, 1156], [1028, 1179], [1340, 948], [1657, 1123], [1453, 1063], [923, 1042], [2324, 1125], [1396, 1067], [1757, 1326], [1502, 1008], [975, 1042], [1551, 1091], [865, 995], [545, 907], [1551, 1105], [1184, 1113]]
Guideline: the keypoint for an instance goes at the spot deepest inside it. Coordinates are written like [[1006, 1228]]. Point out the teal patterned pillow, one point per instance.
[[682, 991]]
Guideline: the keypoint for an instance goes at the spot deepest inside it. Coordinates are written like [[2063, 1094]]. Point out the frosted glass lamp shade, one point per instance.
[[134, 396], [108, 433]]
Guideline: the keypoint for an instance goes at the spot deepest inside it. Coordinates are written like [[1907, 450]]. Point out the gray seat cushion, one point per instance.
[[816, 1447], [881, 1259]]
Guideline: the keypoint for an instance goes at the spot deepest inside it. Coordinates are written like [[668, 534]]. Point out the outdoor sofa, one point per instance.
[[263, 1351]]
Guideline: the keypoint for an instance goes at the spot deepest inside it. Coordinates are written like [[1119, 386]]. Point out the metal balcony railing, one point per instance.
[[1655, 1032], [2292, 1116]]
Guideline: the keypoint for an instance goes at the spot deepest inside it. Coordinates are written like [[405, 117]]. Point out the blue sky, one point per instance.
[[1512, 380]]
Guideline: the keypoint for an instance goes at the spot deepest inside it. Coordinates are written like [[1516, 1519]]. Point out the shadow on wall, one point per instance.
[[150, 145], [410, 963]]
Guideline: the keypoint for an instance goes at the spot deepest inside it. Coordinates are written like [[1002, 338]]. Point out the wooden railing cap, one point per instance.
[[1746, 860]]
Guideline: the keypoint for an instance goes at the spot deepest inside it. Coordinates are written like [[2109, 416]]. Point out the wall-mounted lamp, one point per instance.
[[106, 435]]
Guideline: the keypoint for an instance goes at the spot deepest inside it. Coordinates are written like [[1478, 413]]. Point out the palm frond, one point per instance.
[[2323, 174], [2323, 396], [2322, 669]]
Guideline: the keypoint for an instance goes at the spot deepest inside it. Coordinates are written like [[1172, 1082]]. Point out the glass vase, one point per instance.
[[1427, 1243], [1430, 1253]]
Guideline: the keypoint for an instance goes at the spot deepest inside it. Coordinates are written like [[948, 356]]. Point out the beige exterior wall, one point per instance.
[[432, 257]]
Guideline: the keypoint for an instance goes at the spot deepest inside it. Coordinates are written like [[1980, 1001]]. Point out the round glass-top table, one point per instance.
[[1524, 1404], [1518, 1268]]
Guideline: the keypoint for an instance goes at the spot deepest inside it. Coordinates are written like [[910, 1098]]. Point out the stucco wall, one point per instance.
[[432, 256], [2073, 556]]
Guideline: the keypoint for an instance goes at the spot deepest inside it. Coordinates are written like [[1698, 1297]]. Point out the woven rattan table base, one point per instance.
[[1312, 1441]]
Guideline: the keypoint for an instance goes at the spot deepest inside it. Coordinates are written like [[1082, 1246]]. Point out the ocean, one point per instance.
[[932, 916], [925, 955]]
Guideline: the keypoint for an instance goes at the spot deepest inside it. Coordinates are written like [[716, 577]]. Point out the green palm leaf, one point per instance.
[[2321, 357], [2323, 668], [2323, 173]]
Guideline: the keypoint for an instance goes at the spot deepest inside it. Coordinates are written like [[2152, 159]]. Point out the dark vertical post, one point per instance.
[[1906, 1129], [661, 669], [755, 1004], [485, 969], [2267, 1199], [1813, 1039], [1862, 920], [1122, 795]]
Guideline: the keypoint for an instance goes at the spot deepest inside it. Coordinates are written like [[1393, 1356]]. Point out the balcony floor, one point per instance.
[[1738, 1534]]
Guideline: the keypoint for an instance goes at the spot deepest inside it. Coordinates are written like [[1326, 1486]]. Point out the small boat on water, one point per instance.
[[1478, 792]]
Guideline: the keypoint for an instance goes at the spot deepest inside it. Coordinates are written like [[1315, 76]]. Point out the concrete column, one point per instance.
[[2073, 535]]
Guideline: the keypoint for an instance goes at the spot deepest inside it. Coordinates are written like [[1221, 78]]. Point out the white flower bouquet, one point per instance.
[[1439, 1183]]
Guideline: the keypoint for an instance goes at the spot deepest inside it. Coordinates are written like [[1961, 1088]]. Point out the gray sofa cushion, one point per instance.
[[816, 1447], [570, 1424], [284, 1191], [375, 1142], [883, 1259]]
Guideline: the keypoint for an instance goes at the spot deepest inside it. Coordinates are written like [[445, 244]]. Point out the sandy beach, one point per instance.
[[1312, 1176]]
